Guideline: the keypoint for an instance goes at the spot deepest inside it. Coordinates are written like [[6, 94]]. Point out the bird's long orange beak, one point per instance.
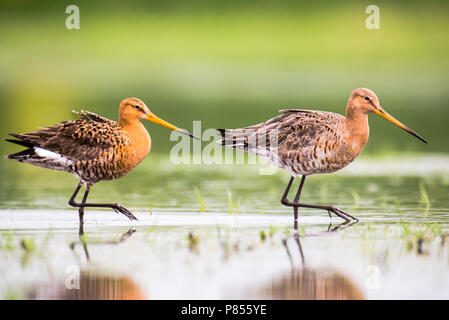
[[381, 112], [153, 118]]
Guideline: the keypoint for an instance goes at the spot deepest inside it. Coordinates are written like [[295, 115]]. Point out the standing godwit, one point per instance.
[[93, 148], [311, 142]]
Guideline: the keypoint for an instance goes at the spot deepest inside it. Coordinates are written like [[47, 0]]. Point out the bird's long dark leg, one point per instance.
[[115, 206], [81, 209], [329, 208], [81, 212], [296, 200], [298, 193], [284, 199], [287, 190]]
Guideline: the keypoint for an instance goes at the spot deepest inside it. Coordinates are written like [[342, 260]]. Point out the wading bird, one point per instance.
[[310, 142], [93, 148]]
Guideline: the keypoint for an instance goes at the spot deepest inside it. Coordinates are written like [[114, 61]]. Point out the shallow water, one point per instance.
[[240, 245]]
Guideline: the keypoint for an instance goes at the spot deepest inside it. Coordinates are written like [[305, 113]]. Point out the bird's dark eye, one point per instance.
[[367, 98], [137, 107]]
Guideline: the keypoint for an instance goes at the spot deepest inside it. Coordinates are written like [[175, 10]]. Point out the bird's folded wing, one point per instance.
[[83, 139], [87, 115]]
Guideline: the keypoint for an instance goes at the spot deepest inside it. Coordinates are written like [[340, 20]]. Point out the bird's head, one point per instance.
[[133, 110], [365, 100]]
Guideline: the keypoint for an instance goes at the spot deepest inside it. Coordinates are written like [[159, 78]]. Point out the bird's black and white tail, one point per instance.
[[37, 156], [234, 138], [247, 139], [24, 154]]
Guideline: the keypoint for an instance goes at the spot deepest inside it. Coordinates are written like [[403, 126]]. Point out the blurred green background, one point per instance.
[[227, 63]]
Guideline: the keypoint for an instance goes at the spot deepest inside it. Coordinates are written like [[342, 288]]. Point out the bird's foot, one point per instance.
[[341, 214], [330, 209], [121, 209]]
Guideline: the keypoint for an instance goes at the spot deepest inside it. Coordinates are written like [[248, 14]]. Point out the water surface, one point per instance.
[[239, 244]]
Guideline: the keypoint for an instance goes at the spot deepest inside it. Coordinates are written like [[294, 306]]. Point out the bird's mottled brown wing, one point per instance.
[[87, 115], [308, 140], [300, 129], [84, 139], [297, 140]]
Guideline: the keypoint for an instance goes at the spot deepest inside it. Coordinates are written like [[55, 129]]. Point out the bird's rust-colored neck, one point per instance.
[[356, 128], [140, 138]]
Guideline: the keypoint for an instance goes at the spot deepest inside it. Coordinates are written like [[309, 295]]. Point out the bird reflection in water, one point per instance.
[[306, 283], [83, 240], [92, 284], [97, 286]]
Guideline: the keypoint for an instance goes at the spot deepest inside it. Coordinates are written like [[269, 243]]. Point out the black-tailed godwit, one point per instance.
[[311, 142], [93, 148]]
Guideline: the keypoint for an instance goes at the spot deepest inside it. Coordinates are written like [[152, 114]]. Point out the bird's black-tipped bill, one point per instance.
[[381, 112], [187, 133], [153, 118]]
